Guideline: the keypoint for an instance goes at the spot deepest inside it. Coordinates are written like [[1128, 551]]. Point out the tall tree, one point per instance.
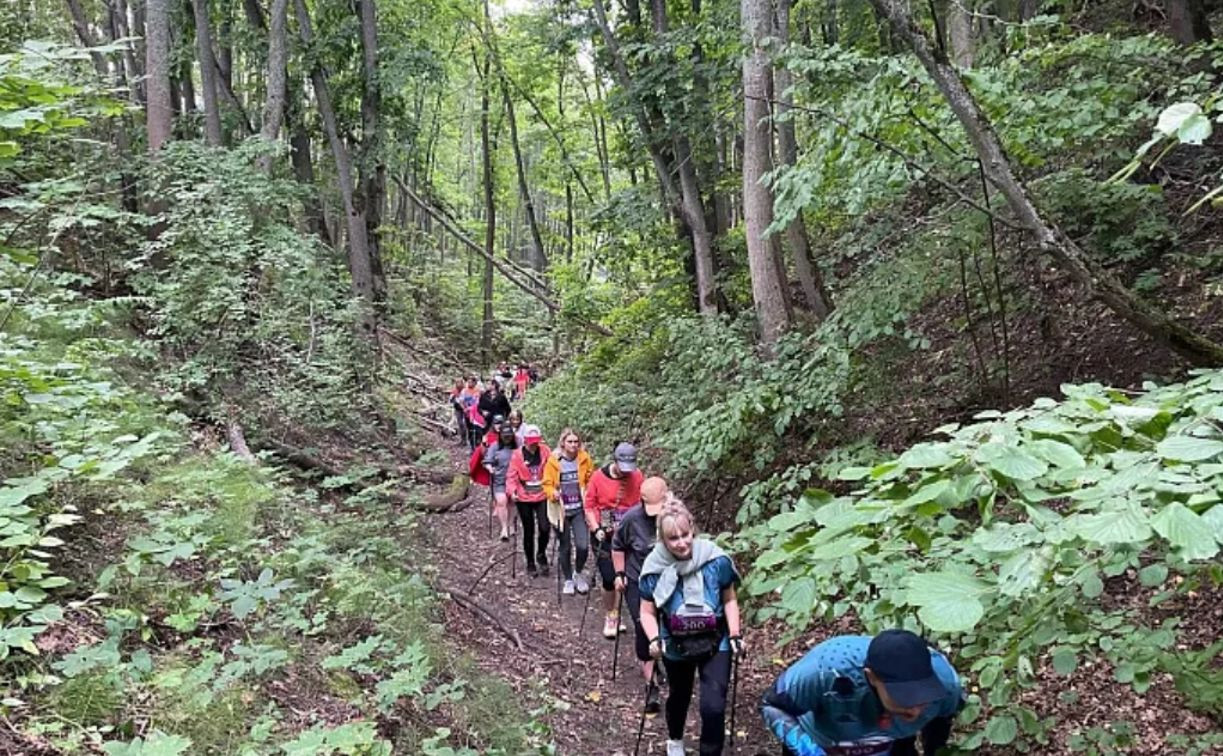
[[490, 209], [371, 165], [767, 295], [359, 268], [273, 111], [1098, 281], [158, 111], [208, 73], [1188, 22], [809, 279]]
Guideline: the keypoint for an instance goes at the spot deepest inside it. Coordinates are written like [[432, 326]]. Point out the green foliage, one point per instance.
[[1000, 535]]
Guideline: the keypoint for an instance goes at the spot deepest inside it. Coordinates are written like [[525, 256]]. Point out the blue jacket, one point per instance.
[[824, 700], [718, 575]]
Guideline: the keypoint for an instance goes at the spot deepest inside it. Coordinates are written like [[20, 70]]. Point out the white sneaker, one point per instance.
[[580, 584], [675, 747], [568, 589], [610, 623]]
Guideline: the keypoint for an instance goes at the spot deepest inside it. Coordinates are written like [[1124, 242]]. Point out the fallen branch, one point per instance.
[[467, 601]]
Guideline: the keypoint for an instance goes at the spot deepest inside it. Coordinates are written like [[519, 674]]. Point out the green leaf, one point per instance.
[[1057, 453], [925, 455], [1153, 574], [1124, 525], [1092, 586], [1022, 572], [1001, 730], [1065, 661], [1016, 464], [799, 595], [1186, 530], [1214, 518], [1005, 537], [1195, 130], [1174, 116], [1189, 448], [947, 601]]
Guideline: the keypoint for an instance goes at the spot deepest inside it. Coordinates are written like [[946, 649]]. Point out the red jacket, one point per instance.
[[475, 467], [522, 483], [604, 493]]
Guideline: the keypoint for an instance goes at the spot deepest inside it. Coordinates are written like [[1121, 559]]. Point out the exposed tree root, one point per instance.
[[472, 604]]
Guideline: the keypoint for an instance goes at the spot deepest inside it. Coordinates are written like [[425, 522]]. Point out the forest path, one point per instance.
[[589, 713]]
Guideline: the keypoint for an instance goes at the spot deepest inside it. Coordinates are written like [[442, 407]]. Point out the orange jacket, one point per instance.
[[552, 473], [519, 481]]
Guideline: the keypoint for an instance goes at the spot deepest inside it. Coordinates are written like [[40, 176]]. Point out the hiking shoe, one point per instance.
[[541, 560], [568, 589], [532, 571], [543, 569], [652, 706], [610, 624], [505, 535], [675, 747], [580, 584]]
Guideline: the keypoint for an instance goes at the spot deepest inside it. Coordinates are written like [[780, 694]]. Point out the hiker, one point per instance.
[[515, 420], [471, 398], [525, 486], [460, 412], [566, 475], [522, 379], [493, 402], [633, 541], [865, 696], [613, 490], [497, 461], [504, 373], [690, 612]]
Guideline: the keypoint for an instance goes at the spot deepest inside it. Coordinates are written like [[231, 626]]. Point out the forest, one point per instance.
[[917, 308]]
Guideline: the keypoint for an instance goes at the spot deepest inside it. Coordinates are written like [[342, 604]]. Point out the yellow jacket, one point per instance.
[[552, 482]]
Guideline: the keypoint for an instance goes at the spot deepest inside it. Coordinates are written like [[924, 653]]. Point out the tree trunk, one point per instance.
[[158, 111], [273, 112], [303, 167], [809, 279], [208, 73], [960, 37], [81, 25], [490, 214], [1098, 281], [358, 246], [122, 30], [767, 294], [540, 258], [1188, 22], [371, 165], [693, 210]]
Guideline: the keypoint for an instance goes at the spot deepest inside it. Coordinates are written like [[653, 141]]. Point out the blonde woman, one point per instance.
[[690, 613], [566, 474]]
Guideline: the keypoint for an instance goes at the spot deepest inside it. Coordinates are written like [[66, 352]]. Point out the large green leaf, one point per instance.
[[1214, 518], [925, 455], [947, 601], [1023, 571], [1123, 525], [1189, 448], [1057, 453], [1006, 536], [1186, 530], [798, 595], [1014, 463]]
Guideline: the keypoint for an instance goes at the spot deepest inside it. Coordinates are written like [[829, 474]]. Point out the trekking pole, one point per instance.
[[556, 562], [594, 565], [514, 547], [492, 504], [734, 690], [616, 649], [649, 686]]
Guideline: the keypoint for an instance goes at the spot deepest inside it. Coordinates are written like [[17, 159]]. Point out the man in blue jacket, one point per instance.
[[854, 695]]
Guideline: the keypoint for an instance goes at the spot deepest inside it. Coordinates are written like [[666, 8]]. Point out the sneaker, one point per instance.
[[532, 571], [675, 747], [568, 589], [505, 536], [541, 560], [543, 568], [609, 625], [652, 706], [580, 584]]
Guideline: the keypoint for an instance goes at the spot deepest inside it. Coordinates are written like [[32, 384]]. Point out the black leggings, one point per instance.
[[532, 514], [715, 678], [632, 599]]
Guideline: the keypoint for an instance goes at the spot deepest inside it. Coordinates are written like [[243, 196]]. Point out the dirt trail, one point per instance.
[[594, 716]]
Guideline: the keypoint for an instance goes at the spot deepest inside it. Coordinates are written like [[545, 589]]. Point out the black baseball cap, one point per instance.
[[625, 457], [901, 662]]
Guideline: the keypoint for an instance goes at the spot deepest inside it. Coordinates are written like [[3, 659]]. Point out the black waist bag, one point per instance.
[[695, 637]]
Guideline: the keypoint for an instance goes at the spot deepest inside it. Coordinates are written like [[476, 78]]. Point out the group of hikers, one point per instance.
[[475, 403], [848, 696]]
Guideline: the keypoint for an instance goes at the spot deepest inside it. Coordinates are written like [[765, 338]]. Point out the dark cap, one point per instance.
[[625, 457], [901, 662]]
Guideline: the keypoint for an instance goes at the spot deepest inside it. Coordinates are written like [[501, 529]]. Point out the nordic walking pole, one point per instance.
[[616, 649], [734, 690], [649, 686], [594, 564], [492, 503], [556, 562], [514, 546]]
